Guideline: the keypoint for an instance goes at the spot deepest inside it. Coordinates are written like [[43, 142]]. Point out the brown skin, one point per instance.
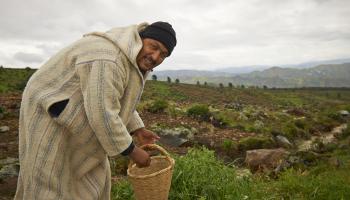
[[150, 56]]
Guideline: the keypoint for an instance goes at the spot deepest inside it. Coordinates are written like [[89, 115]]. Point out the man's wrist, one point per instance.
[[128, 150], [136, 131]]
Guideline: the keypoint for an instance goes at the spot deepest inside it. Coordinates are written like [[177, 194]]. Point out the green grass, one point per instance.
[[14, 79], [199, 175]]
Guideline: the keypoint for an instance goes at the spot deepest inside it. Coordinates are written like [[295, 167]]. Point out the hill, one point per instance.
[[14, 79], [330, 75], [214, 129]]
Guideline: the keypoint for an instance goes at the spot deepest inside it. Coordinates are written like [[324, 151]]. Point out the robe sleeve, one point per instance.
[[102, 84], [135, 122]]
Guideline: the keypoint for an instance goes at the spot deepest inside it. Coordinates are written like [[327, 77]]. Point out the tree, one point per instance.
[[177, 81], [242, 86], [230, 85], [265, 87], [198, 83], [205, 83], [221, 85], [154, 77], [169, 79]]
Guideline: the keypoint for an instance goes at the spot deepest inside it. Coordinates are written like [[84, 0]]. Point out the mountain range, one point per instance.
[[325, 75]]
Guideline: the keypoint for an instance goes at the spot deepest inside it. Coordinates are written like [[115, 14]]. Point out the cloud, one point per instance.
[[210, 33], [28, 57]]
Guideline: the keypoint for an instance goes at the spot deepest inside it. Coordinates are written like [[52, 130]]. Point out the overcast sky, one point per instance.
[[211, 34]]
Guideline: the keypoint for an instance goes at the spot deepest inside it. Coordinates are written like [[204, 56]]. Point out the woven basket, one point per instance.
[[152, 182]]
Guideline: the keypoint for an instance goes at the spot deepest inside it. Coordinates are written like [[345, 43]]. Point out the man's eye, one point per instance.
[[153, 46]]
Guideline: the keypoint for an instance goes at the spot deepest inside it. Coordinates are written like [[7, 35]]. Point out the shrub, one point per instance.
[[158, 106], [290, 131], [335, 116], [154, 77], [250, 143], [199, 111], [220, 120], [300, 124]]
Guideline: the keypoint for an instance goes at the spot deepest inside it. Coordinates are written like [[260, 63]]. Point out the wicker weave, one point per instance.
[[152, 182]]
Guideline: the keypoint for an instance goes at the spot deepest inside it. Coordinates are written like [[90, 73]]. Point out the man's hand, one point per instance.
[[140, 157], [145, 136]]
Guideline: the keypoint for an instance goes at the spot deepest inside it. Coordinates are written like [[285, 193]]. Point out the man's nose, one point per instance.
[[156, 56]]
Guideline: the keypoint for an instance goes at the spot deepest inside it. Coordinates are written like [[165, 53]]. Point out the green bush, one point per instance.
[[158, 106], [249, 143], [290, 131], [199, 111], [220, 120], [300, 124], [335, 116]]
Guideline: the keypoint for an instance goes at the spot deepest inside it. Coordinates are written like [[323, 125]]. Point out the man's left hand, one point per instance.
[[145, 136]]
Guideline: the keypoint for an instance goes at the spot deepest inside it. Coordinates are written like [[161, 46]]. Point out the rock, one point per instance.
[[265, 158], [4, 129], [176, 136], [258, 124], [172, 140], [283, 141], [8, 171], [335, 162], [8, 160], [344, 113], [234, 105], [243, 173]]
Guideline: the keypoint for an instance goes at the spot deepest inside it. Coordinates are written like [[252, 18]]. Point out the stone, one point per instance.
[[261, 159], [335, 162], [4, 129], [8, 160], [175, 137], [344, 113], [8, 171], [283, 141], [242, 173]]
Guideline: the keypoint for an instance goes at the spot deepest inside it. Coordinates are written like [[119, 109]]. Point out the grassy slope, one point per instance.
[[218, 181], [215, 180], [13, 79]]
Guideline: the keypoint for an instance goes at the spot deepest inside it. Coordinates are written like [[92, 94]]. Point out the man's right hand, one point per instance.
[[140, 157]]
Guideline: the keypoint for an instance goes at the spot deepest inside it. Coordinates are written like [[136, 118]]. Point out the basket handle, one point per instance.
[[152, 147]]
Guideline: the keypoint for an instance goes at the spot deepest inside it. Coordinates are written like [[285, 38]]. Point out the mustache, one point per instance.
[[150, 59]]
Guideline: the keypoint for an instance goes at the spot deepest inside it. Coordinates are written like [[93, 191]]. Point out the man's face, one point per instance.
[[151, 55]]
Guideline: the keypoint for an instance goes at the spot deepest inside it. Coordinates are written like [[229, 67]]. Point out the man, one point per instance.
[[79, 108]]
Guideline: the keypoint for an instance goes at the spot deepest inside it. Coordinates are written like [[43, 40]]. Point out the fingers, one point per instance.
[[140, 157]]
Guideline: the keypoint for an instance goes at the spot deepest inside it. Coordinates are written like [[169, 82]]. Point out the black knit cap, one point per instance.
[[162, 32]]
